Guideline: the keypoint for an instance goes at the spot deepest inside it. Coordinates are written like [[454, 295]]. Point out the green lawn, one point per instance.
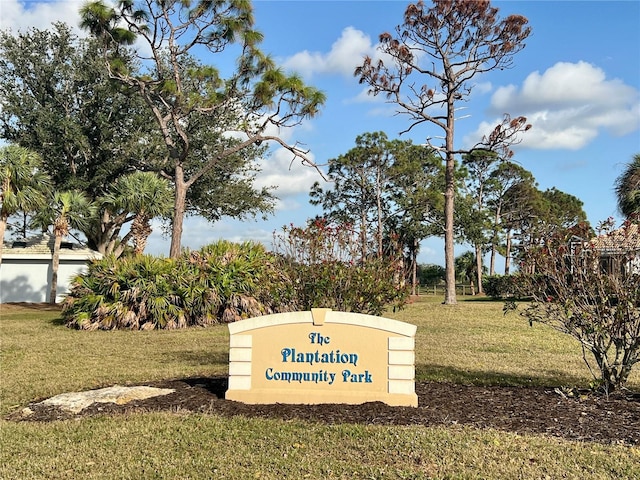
[[469, 343]]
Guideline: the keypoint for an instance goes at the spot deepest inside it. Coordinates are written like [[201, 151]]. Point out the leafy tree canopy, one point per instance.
[[255, 99], [58, 100]]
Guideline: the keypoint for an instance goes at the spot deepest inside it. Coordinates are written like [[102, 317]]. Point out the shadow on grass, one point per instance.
[[466, 299], [57, 322], [485, 299], [429, 298], [479, 298], [442, 373]]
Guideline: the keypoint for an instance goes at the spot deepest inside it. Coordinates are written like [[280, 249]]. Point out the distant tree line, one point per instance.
[[390, 191]]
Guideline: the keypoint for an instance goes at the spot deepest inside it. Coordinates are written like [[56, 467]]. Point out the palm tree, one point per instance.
[[147, 196], [23, 186], [67, 210], [466, 269], [627, 188]]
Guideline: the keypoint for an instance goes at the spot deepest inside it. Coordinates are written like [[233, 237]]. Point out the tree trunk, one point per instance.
[[492, 260], [106, 239], [494, 241], [414, 268], [179, 209], [380, 215], [3, 228], [479, 268], [141, 230], [363, 235], [449, 258], [507, 254], [55, 263]]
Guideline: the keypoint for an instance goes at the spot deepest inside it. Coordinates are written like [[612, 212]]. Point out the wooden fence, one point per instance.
[[461, 289]]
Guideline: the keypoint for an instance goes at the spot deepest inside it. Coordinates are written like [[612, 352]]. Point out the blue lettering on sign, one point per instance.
[[334, 356], [290, 355], [315, 337], [320, 376], [348, 376]]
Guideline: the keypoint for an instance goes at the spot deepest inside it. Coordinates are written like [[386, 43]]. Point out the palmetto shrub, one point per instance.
[[219, 283], [248, 279]]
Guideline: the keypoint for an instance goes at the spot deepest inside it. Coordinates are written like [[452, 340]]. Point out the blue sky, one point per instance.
[[577, 81]]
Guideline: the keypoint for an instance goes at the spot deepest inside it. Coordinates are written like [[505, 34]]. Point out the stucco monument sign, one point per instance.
[[322, 356]]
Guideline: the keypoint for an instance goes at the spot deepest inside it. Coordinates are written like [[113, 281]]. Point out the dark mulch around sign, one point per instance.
[[547, 411]]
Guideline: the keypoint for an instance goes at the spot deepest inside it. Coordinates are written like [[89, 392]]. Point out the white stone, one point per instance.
[[75, 402]]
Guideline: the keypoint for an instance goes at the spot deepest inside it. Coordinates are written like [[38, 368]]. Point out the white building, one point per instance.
[[25, 272]]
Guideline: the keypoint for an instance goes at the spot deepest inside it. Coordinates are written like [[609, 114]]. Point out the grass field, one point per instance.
[[468, 343]]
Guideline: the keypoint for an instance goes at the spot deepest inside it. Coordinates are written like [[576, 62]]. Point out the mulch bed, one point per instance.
[[592, 418]]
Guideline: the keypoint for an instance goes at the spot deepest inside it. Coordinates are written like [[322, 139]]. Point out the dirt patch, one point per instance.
[[514, 409]]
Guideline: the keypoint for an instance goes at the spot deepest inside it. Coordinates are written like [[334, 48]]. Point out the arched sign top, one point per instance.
[[327, 316]]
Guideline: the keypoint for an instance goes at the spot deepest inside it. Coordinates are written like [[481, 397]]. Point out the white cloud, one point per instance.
[[345, 55], [305, 63], [20, 15], [482, 87], [288, 175], [282, 169], [568, 105]]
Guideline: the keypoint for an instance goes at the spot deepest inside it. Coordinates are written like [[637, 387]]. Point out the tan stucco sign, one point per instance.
[[322, 356]]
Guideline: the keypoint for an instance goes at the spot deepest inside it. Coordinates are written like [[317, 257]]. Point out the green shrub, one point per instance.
[[225, 282], [222, 282], [323, 263], [363, 288], [431, 274], [132, 292], [503, 286]]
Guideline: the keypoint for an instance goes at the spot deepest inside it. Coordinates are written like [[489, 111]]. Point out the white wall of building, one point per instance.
[[29, 280]]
